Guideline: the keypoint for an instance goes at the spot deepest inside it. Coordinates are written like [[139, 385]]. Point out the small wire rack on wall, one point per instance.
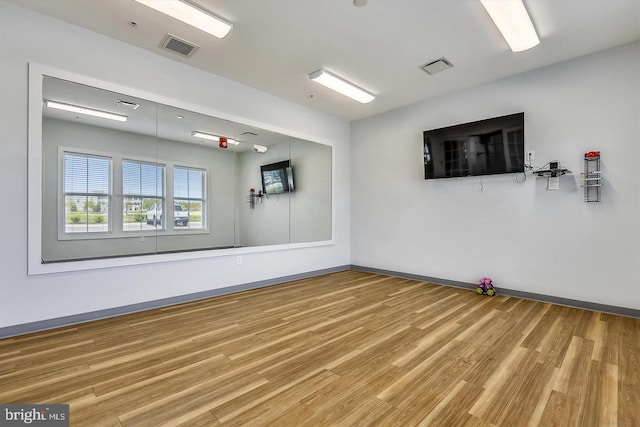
[[592, 177]]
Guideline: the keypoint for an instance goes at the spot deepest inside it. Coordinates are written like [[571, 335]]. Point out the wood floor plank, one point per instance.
[[295, 416], [629, 373], [91, 411], [593, 394], [520, 401], [489, 355], [453, 410], [363, 413], [347, 392], [537, 412], [270, 405], [341, 349], [416, 378], [556, 410], [608, 405], [205, 419], [504, 372], [178, 407], [553, 348], [611, 352]]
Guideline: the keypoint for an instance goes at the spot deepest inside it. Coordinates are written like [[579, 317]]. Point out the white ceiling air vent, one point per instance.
[[127, 104], [436, 66], [180, 46]]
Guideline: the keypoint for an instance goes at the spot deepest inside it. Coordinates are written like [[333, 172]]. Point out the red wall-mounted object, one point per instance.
[[223, 142]]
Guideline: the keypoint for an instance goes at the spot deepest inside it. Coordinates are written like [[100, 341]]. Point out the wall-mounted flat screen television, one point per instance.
[[277, 177], [485, 147]]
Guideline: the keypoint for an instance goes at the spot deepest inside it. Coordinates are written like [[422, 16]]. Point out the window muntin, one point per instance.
[[87, 193], [189, 195], [143, 196]]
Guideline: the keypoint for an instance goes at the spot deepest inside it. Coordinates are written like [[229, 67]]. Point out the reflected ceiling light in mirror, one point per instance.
[[211, 137], [514, 23], [340, 85], [191, 15], [84, 110]]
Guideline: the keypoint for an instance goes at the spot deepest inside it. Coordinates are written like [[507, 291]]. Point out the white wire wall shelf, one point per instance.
[[592, 177]]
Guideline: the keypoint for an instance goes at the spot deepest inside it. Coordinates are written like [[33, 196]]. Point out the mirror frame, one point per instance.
[[34, 187]]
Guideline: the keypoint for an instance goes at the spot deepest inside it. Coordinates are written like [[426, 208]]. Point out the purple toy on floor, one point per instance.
[[485, 287]]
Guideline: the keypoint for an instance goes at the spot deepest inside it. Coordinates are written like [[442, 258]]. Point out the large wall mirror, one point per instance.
[[123, 176]]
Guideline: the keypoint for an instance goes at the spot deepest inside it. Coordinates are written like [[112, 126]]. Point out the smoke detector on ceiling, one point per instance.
[[436, 66], [180, 46]]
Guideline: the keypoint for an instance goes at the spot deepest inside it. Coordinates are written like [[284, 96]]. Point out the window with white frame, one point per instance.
[[143, 196], [189, 198], [87, 193]]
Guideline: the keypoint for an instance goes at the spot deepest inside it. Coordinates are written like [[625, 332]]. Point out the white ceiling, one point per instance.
[[275, 44]]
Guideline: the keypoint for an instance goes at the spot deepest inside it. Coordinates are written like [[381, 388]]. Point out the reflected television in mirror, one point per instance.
[[277, 178]]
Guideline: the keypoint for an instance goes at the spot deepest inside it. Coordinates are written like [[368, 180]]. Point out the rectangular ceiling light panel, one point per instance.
[[84, 110], [514, 23], [342, 86], [191, 15]]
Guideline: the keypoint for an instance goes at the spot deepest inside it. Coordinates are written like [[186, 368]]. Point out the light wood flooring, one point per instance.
[[348, 348]]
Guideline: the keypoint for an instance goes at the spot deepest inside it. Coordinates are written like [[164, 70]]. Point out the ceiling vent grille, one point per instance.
[[180, 46], [127, 104], [436, 66]]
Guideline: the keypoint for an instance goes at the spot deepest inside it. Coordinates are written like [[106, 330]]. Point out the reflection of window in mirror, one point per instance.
[[142, 195], [188, 197], [86, 191], [124, 176], [122, 188]]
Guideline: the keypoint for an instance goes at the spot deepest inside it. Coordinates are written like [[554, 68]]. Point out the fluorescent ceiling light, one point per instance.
[[513, 21], [83, 110], [191, 15], [342, 86], [212, 137]]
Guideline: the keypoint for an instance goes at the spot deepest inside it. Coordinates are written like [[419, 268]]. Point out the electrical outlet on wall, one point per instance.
[[530, 156]]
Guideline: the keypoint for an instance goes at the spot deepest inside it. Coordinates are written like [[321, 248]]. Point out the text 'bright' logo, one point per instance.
[[26, 416], [38, 415]]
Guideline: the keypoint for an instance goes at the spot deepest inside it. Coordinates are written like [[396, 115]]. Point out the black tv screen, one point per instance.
[[486, 147], [277, 178]]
